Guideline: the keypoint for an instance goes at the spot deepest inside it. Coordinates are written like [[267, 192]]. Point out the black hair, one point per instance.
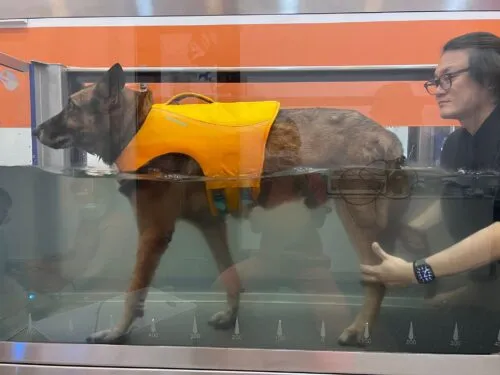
[[484, 57]]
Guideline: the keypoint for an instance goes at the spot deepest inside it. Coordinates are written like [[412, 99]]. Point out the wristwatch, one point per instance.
[[423, 272]]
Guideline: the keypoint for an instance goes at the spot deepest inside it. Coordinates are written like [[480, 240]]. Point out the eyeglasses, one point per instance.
[[444, 81]]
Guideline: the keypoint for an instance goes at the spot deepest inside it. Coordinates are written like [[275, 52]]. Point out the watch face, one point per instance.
[[424, 273]]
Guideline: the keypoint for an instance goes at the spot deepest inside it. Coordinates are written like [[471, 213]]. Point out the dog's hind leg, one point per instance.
[[215, 233], [360, 223], [157, 206]]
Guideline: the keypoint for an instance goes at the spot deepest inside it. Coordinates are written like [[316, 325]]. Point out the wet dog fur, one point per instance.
[[102, 119]]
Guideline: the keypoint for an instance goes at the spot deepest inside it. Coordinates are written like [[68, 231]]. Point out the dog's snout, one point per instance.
[[36, 132]]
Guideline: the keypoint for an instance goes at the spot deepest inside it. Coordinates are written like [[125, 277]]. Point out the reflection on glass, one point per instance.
[[301, 287], [268, 265]]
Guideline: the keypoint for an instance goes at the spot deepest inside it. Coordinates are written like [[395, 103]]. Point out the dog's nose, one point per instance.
[[35, 132]]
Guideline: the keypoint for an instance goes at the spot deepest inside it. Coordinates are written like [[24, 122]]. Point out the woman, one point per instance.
[[474, 251]]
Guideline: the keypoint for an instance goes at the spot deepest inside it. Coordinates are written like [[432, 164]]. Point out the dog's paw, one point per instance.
[[224, 319], [354, 336], [107, 336]]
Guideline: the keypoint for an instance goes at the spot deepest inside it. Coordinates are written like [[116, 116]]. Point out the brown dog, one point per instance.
[[102, 119]]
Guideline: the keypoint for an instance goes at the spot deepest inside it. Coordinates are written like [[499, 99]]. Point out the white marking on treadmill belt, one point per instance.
[[455, 341], [498, 339], [322, 333], [195, 335], [236, 335], [30, 325], [411, 340], [153, 332], [366, 339], [280, 336], [71, 327], [111, 323]]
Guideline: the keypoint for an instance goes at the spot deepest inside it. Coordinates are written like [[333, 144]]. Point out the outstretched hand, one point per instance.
[[391, 271]]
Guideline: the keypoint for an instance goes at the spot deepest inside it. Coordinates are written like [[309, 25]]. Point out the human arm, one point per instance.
[[475, 251]]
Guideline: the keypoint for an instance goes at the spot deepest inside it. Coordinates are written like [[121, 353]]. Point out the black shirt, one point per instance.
[[464, 214], [477, 152]]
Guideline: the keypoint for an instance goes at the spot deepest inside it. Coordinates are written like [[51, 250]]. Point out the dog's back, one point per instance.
[[332, 137]]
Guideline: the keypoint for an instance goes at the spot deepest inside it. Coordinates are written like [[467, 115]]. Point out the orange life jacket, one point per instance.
[[228, 141]]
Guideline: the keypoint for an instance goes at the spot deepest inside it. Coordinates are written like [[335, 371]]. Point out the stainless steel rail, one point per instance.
[[237, 359], [340, 68], [13, 63], [361, 73], [132, 8]]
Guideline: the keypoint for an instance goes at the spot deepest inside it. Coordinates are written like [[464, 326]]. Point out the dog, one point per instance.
[[103, 119]]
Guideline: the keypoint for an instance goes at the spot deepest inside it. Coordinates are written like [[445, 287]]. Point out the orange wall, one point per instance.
[[370, 43]]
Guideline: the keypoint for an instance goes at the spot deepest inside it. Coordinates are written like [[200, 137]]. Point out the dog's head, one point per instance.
[[95, 118]]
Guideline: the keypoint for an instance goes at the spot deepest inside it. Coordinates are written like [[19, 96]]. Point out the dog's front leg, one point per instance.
[[360, 223], [215, 232], [157, 209]]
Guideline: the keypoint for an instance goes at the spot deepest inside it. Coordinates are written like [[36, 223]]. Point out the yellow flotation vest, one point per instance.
[[228, 141]]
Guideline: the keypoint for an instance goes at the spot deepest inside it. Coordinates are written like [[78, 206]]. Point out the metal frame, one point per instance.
[[255, 360], [360, 73], [13, 63], [131, 8], [50, 86], [48, 93], [22, 67], [64, 370]]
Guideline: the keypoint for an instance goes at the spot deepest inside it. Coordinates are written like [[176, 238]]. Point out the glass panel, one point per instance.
[[93, 243]]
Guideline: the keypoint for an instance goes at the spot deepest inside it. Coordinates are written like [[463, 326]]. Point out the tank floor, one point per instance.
[[269, 321]]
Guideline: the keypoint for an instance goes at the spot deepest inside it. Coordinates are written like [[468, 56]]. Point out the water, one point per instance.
[[69, 250]]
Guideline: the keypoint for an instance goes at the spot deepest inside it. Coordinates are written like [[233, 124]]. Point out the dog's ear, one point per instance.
[[112, 83]]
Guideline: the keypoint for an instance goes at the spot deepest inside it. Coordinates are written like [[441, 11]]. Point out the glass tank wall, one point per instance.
[[105, 263]]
